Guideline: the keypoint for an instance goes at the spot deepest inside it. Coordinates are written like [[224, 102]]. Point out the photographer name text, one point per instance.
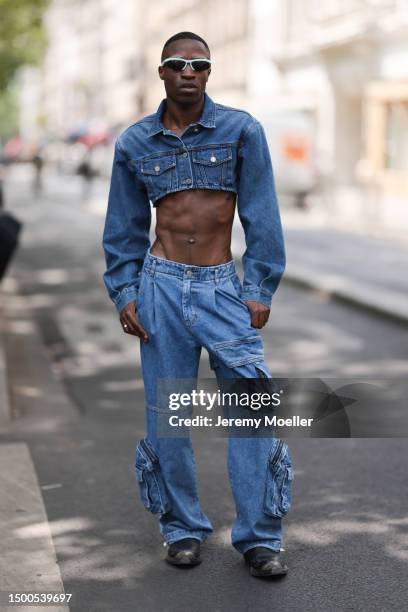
[[254, 422]]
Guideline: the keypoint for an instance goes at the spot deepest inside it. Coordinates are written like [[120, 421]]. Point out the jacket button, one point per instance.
[[184, 154], [157, 168], [213, 158], [188, 181]]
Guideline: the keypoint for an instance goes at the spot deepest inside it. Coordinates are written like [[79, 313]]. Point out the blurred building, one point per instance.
[[224, 25], [329, 80], [345, 64], [90, 69]]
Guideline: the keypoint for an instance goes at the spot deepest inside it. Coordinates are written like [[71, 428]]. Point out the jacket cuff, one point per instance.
[[256, 295], [127, 295]]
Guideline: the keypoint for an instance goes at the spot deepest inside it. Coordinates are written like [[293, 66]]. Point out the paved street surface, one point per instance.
[[77, 399], [364, 270]]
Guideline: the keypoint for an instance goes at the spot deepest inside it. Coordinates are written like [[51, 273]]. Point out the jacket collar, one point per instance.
[[207, 118]]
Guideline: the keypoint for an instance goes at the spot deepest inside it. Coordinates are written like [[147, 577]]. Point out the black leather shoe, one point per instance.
[[184, 553], [265, 562]]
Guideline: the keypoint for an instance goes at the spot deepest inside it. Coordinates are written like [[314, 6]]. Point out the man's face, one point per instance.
[[187, 86]]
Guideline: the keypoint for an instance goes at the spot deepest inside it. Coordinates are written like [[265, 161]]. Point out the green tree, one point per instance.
[[22, 38], [8, 112]]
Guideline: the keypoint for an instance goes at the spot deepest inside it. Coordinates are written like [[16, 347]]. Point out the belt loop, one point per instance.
[[154, 264], [216, 276]]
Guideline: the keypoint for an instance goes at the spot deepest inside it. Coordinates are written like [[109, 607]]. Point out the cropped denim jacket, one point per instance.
[[225, 150]]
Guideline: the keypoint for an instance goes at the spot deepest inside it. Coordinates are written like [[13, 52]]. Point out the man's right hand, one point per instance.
[[130, 322]]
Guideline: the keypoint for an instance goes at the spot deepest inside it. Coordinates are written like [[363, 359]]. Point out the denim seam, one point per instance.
[[255, 123], [214, 187], [195, 280], [236, 342], [262, 543], [182, 149], [245, 361], [159, 410], [174, 536], [205, 162], [195, 474]]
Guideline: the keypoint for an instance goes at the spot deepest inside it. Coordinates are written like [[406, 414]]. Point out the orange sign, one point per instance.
[[295, 147]]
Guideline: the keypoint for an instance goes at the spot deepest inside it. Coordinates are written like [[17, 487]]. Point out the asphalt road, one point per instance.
[[346, 536]]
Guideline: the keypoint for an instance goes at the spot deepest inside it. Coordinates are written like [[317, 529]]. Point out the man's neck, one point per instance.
[[177, 116]]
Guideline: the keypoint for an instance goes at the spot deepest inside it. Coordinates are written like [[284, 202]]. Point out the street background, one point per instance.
[[329, 81]]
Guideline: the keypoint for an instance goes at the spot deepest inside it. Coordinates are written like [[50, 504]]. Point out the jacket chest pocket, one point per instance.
[[213, 167], [158, 174]]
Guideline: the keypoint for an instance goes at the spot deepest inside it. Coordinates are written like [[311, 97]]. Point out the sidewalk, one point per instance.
[[363, 270], [28, 563], [28, 560]]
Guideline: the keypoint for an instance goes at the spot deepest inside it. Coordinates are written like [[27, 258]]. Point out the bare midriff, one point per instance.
[[194, 227]]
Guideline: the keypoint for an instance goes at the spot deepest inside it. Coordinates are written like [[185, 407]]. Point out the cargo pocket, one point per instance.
[[150, 479], [278, 485]]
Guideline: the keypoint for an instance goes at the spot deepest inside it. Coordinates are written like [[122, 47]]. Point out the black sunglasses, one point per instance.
[[178, 64]]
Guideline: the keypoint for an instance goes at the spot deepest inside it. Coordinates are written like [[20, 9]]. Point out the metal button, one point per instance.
[[188, 181], [196, 129], [191, 240], [184, 154], [213, 158], [157, 168], [189, 273]]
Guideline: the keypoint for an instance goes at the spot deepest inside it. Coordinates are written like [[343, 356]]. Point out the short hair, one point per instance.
[[182, 36]]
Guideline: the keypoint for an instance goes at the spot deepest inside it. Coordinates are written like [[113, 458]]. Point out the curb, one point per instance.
[[355, 298], [5, 413], [28, 561]]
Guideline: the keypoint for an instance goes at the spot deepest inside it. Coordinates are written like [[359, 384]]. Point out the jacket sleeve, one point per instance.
[[126, 232], [264, 258]]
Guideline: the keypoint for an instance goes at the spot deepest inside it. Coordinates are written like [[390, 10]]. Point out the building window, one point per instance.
[[386, 127], [396, 141]]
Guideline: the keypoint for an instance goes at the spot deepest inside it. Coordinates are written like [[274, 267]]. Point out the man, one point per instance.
[[191, 160]]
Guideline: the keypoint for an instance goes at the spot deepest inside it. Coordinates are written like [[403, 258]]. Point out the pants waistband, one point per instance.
[[153, 264]]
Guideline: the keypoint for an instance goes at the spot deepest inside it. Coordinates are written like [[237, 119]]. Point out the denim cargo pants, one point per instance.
[[183, 309]]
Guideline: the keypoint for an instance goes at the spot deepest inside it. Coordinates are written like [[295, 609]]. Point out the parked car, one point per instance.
[[291, 140]]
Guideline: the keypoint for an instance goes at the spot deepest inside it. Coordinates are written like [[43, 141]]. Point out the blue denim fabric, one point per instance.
[[185, 308], [226, 150]]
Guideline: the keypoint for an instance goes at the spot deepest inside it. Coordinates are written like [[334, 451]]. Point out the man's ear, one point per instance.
[[160, 71]]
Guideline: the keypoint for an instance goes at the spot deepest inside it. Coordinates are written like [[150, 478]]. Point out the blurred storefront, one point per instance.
[[344, 65]]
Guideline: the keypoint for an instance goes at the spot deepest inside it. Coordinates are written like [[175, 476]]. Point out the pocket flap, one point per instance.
[[146, 458], [212, 157], [158, 165]]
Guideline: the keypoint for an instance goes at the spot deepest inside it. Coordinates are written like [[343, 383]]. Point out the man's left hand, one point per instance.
[[259, 313]]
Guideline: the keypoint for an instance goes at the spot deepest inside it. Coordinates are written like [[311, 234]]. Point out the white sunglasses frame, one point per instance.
[[188, 62]]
